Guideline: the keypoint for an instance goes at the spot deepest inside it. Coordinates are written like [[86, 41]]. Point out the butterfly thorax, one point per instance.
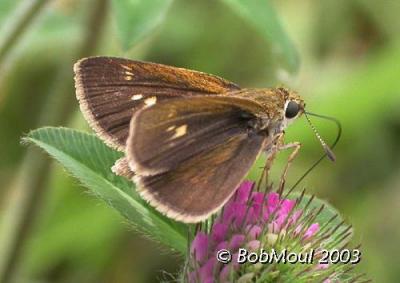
[[269, 121], [272, 100]]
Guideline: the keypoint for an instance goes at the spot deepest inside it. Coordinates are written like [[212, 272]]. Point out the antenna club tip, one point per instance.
[[329, 153]]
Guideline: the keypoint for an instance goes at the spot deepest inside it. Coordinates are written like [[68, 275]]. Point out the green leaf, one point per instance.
[[90, 160], [136, 18], [263, 17]]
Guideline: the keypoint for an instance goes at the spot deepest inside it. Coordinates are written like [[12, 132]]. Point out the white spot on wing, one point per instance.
[[137, 97], [171, 128], [150, 101], [180, 131], [128, 78], [126, 67]]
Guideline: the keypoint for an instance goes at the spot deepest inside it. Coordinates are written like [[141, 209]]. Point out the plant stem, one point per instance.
[[30, 184]]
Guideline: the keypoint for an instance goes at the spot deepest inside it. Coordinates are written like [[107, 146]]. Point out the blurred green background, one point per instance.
[[349, 53]]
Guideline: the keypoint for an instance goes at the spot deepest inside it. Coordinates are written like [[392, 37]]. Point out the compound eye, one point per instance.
[[292, 109]]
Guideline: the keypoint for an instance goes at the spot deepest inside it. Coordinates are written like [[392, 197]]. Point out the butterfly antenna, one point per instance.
[[328, 150]]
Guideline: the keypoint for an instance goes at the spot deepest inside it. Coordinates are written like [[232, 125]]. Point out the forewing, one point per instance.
[[110, 90], [167, 133], [200, 185]]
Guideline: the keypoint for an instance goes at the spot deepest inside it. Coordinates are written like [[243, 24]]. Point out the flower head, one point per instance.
[[257, 221]]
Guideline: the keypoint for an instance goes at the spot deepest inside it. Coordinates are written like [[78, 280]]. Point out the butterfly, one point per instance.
[[189, 138]]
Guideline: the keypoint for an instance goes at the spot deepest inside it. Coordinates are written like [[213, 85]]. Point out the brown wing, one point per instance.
[[201, 185], [190, 154], [169, 132], [110, 90]]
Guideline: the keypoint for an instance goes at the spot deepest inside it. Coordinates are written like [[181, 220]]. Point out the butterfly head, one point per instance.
[[294, 107], [291, 107]]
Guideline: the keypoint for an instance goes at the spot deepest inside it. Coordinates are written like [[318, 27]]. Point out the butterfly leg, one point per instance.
[[296, 147], [272, 150], [121, 168], [277, 145]]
